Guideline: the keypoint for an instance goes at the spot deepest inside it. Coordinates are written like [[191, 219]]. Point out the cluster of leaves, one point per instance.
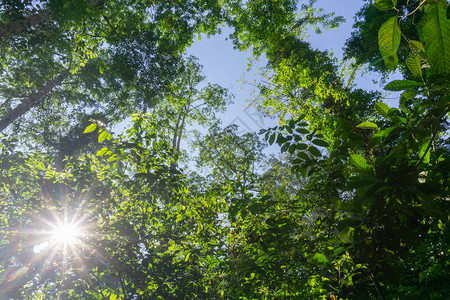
[[386, 178], [356, 208]]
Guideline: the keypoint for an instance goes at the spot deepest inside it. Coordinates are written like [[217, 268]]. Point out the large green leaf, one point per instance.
[[367, 125], [382, 109], [400, 85], [360, 163], [434, 32], [389, 37], [90, 128], [320, 143], [417, 48], [414, 65], [385, 4]]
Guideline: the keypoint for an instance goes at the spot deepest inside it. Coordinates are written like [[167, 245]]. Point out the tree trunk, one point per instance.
[[32, 100]]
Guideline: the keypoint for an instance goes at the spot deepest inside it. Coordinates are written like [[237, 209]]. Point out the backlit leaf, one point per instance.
[[434, 32], [360, 163], [385, 4], [102, 136], [414, 65], [389, 37], [90, 128], [367, 125], [382, 109], [400, 85]]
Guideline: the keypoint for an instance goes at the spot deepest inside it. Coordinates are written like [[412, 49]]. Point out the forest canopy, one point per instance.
[[356, 204]]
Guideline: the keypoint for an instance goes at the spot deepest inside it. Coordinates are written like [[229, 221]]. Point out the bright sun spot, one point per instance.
[[66, 234]]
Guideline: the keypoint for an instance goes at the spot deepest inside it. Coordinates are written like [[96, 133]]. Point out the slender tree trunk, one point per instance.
[[32, 100], [181, 130]]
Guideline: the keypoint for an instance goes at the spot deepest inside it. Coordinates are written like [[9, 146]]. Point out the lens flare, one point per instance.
[[66, 234]]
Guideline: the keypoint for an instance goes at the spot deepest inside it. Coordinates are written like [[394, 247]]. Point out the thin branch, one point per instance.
[[421, 3]]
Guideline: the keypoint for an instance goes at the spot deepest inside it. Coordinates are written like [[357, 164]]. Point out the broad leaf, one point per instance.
[[90, 128], [360, 163], [367, 125], [434, 32], [272, 138], [382, 109], [388, 41], [301, 146], [400, 85], [302, 155], [314, 151], [102, 151], [417, 48], [320, 143], [102, 136], [385, 4], [414, 65]]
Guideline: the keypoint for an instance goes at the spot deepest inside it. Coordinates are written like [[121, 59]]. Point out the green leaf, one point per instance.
[[301, 146], [284, 148], [385, 4], [90, 128], [302, 155], [319, 257], [414, 65], [102, 136], [417, 48], [367, 125], [102, 151], [389, 37], [400, 85], [314, 151], [434, 32], [291, 149], [272, 138], [382, 109], [302, 131], [320, 143], [376, 139], [360, 163]]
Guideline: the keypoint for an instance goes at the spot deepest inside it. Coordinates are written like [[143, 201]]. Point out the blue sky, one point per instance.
[[225, 66]]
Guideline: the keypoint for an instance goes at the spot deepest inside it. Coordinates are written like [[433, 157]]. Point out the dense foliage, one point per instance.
[[356, 205]]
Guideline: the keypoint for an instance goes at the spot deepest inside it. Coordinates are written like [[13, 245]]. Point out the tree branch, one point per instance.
[[32, 100], [21, 25]]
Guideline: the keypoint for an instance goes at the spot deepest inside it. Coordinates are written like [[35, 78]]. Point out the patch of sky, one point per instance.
[[229, 67]]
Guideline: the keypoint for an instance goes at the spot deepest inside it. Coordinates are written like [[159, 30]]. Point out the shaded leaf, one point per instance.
[[301, 146], [302, 155], [272, 138], [320, 143], [314, 151]]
